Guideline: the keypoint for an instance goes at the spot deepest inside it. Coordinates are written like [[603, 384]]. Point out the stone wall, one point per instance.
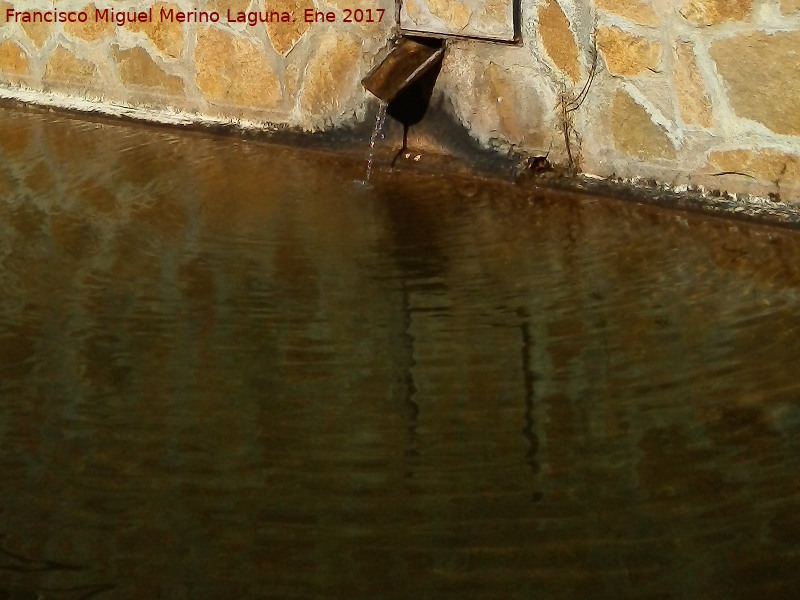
[[297, 73], [685, 91]]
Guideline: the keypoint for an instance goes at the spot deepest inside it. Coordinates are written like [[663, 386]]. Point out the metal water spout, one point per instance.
[[404, 81], [405, 65]]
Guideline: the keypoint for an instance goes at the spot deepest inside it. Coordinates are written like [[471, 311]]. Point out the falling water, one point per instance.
[[377, 133]]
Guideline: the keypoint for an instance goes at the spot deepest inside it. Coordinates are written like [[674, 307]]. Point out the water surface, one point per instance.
[[227, 370]]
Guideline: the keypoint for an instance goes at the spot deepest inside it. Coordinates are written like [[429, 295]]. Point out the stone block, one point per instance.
[[506, 105], [454, 14], [224, 5], [638, 11], [283, 36], [694, 103], [92, 30], [787, 6], [37, 32], [64, 67], [4, 6], [626, 54], [14, 63], [558, 40], [496, 14], [136, 68], [635, 133], [167, 36], [435, 15], [765, 165], [234, 71], [330, 77], [712, 12], [492, 19], [761, 72]]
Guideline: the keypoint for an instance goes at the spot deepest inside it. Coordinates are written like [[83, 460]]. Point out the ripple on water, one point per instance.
[[226, 371]]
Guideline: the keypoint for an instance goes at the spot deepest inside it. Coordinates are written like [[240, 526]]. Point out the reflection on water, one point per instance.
[[228, 371]]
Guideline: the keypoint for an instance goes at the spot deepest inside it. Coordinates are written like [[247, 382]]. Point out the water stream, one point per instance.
[[377, 133]]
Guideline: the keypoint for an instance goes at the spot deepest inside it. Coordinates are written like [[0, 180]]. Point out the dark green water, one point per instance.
[[227, 371]]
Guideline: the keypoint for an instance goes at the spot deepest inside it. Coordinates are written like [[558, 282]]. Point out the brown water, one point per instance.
[[228, 371]]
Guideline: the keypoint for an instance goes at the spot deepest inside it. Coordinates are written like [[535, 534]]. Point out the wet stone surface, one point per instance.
[[230, 370]]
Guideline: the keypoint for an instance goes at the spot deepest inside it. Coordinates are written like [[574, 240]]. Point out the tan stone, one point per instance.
[[762, 76], [137, 69], [627, 54], [694, 103], [558, 39], [495, 11], [37, 32], [452, 13], [634, 132], [330, 76], [13, 62], [386, 22], [513, 109], [92, 30], [501, 93], [638, 11], [283, 36], [4, 6], [65, 67], [711, 12], [790, 6], [224, 5], [415, 11], [167, 36], [234, 71], [767, 166], [491, 19]]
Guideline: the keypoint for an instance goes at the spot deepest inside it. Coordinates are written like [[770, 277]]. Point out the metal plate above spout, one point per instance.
[[493, 20]]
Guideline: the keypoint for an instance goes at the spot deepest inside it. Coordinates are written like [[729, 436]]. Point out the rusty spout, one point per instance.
[[405, 64]]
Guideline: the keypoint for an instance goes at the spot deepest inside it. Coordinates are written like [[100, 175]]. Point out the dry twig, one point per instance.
[[568, 103]]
